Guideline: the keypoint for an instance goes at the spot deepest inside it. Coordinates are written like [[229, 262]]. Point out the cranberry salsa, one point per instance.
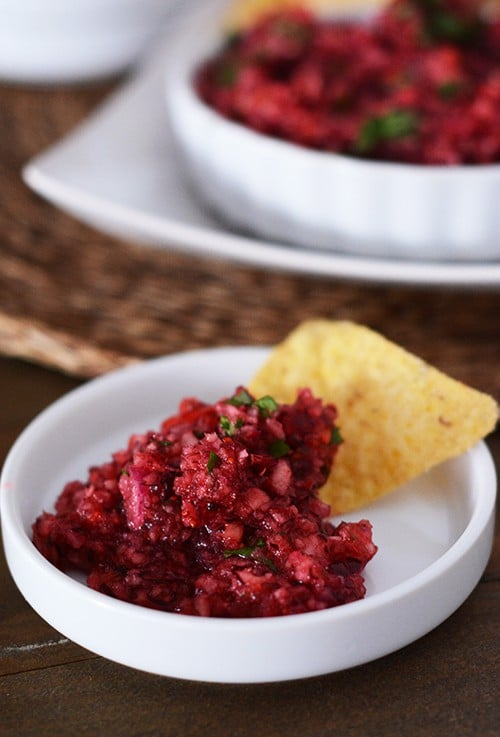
[[215, 514], [419, 83]]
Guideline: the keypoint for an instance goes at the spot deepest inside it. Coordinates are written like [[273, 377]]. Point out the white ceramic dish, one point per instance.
[[289, 193], [434, 538], [119, 172], [55, 41]]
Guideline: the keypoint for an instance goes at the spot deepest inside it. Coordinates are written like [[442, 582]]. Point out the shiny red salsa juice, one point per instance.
[[215, 514]]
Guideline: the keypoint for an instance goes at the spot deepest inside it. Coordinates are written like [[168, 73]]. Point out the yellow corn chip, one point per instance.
[[243, 13], [398, 415]]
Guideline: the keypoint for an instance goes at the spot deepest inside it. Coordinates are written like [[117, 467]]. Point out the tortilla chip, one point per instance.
[[242, 13], [398, 416]]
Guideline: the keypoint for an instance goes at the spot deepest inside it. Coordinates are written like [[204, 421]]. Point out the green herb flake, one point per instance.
[[226, 424], [336, 437], [449, 90], [266, 404], [239, 553], [279, 448], [241, 399], [230, 428], [445, 24], [226, 74], [448, 27], [267, 562], [213, 461], [388, 127], [245, 552], [250, 551]]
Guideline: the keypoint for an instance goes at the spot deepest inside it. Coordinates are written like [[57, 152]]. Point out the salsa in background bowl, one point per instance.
[[376, 136]]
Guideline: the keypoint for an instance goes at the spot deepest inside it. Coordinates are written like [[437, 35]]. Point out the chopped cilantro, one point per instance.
[[249, 552], [226, 74], [448, 90], [245, 552], [230, 427], [279, 448], [336, 438], [241, 399], [266, 404], [444, 24], [267, 562], [392, 125], [213, 461]]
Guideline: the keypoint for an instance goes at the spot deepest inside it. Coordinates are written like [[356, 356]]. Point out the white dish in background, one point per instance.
[[61, 41], [119, 172], [434, 537], [324, 200]]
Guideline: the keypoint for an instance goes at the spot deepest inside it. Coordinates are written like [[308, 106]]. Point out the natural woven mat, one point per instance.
[[83, 303]]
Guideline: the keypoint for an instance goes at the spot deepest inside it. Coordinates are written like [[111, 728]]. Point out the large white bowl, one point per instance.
[[54, 41], [434, 538], [311, 198]]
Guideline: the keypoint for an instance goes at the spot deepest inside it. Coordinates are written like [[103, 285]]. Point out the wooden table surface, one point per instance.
[[74, 303]]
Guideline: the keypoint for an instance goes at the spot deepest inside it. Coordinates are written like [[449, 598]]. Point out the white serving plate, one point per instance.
[[434, 537], [119, 172]]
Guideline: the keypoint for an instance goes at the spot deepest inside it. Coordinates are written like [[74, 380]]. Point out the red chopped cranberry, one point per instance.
[[215, 514]]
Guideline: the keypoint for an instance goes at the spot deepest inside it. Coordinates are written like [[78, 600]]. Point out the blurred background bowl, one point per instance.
[[310, 198], [59, 41]]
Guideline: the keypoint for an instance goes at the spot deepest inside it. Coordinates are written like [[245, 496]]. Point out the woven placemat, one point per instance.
[[84, 303]]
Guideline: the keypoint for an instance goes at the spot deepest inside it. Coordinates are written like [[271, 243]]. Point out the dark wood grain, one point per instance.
[[408, 694], [425, 689]]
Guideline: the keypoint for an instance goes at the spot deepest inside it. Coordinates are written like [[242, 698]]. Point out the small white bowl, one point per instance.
[[323, 200], [59, 41], [434, 538]]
